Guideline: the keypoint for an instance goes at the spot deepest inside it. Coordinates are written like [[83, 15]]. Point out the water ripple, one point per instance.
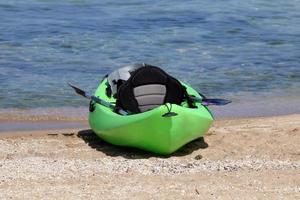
[[223, 48]]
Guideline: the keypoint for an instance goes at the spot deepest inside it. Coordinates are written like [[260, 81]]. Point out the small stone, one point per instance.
[[198, 157]]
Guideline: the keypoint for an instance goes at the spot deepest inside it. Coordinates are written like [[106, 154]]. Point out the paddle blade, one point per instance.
[[79, 91], [216, 102]]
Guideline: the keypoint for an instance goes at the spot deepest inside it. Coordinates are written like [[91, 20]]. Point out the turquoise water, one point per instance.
[[240, 50]]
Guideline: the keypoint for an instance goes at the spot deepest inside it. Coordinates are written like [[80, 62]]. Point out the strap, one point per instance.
[[188, 98]]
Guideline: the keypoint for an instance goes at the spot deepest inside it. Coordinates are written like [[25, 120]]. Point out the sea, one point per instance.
[[245, 51]]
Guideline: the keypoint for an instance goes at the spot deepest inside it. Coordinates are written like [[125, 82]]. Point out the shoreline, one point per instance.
[[242, 107], [29, 127], [39, 125], [26, 126], [68, 117], [249, 158]]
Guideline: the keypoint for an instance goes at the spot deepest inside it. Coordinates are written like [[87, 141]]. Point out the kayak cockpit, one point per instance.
[[143, 88]]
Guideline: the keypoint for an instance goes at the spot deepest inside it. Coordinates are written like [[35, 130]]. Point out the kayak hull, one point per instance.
[[149, 130]]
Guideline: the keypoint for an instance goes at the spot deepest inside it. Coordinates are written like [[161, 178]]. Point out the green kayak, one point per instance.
[[150, 130]]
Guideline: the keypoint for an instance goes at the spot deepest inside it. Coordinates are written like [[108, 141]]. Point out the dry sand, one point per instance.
[[257, 158]]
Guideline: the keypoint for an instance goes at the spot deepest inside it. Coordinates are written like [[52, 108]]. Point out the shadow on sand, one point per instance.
[[95, 142]]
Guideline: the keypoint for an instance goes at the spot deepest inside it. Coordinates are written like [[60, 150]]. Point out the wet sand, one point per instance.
[[254, 158]]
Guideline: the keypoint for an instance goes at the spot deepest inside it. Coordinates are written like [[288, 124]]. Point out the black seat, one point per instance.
[[147, 88]]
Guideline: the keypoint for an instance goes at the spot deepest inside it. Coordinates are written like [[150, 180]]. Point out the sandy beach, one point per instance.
[[252, 158]]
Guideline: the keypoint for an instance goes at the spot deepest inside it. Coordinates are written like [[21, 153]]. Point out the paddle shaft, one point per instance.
[[96, 99], [207, 102]]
